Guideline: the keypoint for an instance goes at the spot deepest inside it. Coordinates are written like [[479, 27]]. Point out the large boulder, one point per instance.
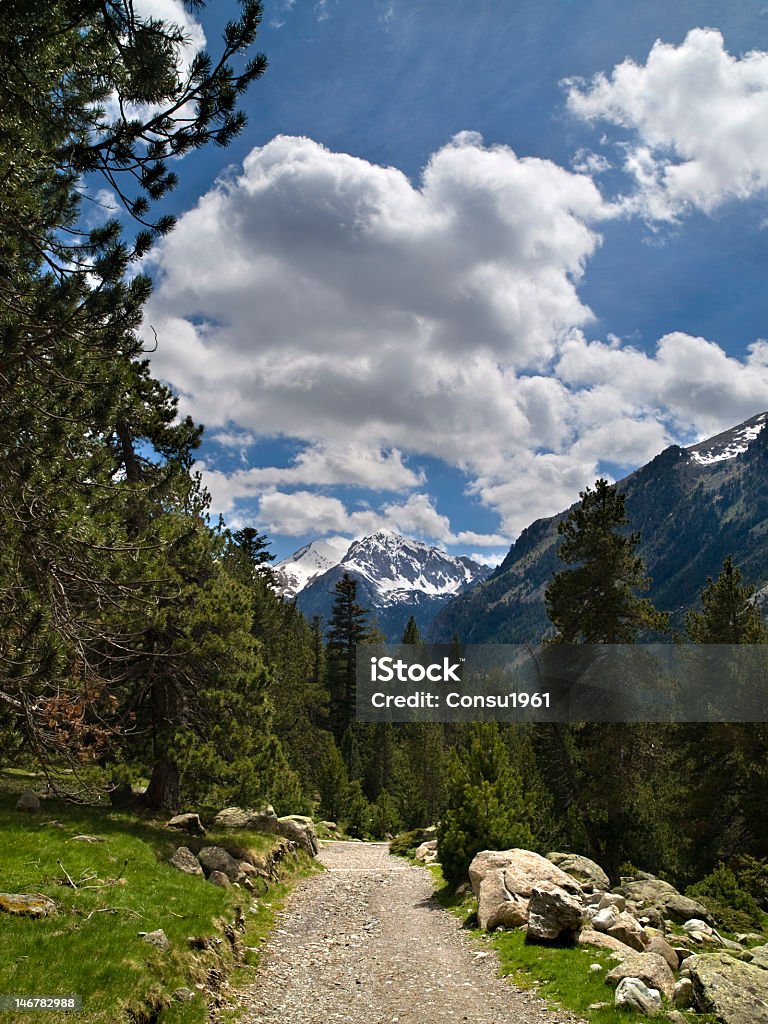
[[184, 860], [633, 994], [216, 858], [645, 889], [648, 891], [553, 914], [582, 869], [650, 968], [523, 870], [497, 907], [682, 908], [628, 930], [735, 992], [589, 937], [300, 830], [189, 823], [264, 820], [658, 944]]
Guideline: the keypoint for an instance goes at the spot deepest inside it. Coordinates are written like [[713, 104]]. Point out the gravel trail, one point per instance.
[[366, 943]]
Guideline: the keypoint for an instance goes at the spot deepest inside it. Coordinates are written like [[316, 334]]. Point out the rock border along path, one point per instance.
[[365, 942]]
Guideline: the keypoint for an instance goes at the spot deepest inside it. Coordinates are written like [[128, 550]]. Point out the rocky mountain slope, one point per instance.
[[396, 577], [692, 507], [297, 571]]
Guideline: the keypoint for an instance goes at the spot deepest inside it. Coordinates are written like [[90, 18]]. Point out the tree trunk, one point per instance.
[[163, 791]]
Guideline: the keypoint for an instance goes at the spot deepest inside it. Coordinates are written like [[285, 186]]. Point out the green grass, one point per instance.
[[559, 975], [91, 946]]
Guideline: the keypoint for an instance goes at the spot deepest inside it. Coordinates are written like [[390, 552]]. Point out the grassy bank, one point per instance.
[[109, 890]]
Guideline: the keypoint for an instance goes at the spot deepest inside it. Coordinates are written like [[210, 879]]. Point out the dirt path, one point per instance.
[[365, 943]]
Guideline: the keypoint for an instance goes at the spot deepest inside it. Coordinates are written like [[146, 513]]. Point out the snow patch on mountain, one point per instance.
[[294, 573], [730, 443]]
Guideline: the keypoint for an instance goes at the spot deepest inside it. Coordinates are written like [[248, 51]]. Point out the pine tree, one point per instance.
[[729, 614], [486, 809], [411, 634], [94, 465], [348, 628], [596, 602]]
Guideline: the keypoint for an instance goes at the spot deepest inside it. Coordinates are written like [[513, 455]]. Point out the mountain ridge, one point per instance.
[[692, 507]]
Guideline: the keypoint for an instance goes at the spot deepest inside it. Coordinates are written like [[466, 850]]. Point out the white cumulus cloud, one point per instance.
[[698, 118]]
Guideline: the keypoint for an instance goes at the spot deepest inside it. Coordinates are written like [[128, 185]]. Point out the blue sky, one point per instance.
[[447, 276]]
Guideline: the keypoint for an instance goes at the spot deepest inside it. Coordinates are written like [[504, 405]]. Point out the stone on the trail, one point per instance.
[[23, 905], [331, 826], [743, 937], [426, 852], [183, 995], [189, 823], [28, 802], [582, 869], [300, 830], [632, 993], [589, 937], [658, 944], [735, 992], [184, 860], [628, 930], [650, 968], [220, 879], [158, 939], [216, 858], [523, 870], [497, 907], [683, 994], [553, 914], [264, 820]]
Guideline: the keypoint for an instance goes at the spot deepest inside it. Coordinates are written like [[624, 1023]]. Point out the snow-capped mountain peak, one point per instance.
[[396, 576], [397, 566], [299, 569], [730, 443]]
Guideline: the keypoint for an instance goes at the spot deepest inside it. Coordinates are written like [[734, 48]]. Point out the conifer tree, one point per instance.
[[411, 634], [348, 628], [486, 809], [96, 485], [729, 614], [596, 601]]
